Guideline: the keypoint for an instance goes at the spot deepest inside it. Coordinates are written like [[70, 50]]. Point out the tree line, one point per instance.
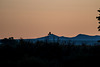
[[43, 54]]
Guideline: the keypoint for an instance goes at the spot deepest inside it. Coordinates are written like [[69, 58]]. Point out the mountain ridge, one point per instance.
[[82, 36], [79, 39], [77, 36]]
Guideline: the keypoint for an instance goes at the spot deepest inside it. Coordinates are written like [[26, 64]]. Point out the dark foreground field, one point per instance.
[[43, 54]]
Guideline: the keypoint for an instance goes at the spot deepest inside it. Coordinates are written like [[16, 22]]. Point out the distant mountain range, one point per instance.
[[78, 40]]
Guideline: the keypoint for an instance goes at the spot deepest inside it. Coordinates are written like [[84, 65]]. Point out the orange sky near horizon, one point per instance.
[[35, 18]]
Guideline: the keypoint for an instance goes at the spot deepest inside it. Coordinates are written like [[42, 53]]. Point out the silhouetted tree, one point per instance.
[[98, 19], [49, 33], [9, 41]]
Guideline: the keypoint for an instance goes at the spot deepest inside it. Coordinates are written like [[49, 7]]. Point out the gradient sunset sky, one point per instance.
[[35, 18]]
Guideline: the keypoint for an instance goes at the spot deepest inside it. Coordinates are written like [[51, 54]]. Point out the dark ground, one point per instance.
[[43, 54]]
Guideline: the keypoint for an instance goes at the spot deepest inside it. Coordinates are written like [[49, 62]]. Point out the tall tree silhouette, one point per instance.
[[98, 18]]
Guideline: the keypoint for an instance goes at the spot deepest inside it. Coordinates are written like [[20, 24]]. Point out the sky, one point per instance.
[[35, 18]]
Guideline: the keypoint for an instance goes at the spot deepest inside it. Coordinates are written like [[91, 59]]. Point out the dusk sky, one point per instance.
[[35, 18]]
